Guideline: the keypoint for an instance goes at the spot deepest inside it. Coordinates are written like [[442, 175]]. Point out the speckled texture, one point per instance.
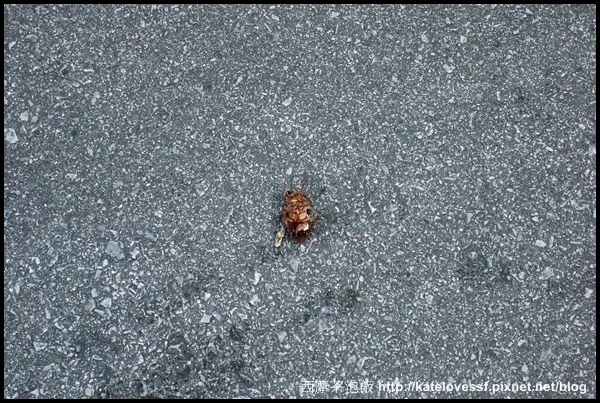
[[449, 151]]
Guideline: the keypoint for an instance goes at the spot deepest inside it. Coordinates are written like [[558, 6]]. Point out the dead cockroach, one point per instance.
[[296, 217]]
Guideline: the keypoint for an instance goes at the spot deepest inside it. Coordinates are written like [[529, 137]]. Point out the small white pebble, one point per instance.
[[89, 306], [449, 68], [254, 300], [373, 209], [10, 135], [39, 346], [107, 303], [256, 277]]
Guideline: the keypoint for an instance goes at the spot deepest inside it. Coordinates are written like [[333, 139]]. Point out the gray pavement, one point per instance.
[[449, 151]]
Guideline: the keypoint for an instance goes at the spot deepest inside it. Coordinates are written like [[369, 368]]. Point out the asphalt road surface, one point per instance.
[[449, 152]]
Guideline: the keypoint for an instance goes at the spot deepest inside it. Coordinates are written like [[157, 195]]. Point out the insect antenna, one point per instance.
[[304, 181]]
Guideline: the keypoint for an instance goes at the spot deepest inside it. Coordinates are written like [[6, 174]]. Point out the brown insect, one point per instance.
[[296, 217]]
